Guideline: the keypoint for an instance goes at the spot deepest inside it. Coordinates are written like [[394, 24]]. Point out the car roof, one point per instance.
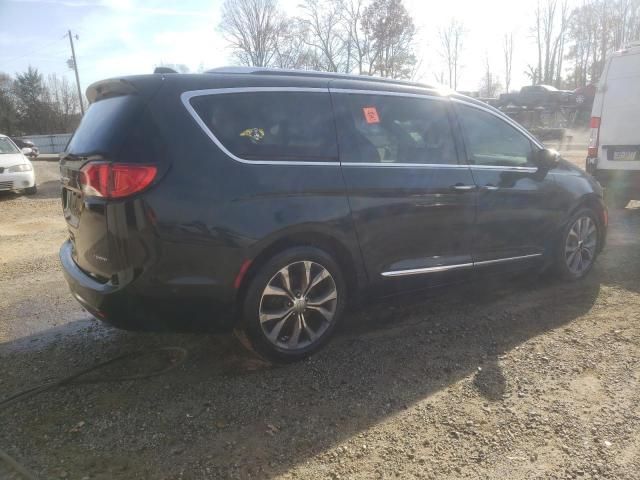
[[255, 77], [315, 74]]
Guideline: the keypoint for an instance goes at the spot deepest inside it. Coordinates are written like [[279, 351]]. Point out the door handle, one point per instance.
[[459, 187]]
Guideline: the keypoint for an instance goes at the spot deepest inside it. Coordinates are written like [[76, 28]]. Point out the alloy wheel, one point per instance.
[[298, 305], [580, 245]]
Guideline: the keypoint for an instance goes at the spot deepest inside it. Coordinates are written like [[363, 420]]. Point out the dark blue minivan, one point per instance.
[[267, 200]]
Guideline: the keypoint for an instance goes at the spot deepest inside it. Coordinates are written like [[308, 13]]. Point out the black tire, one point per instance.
[[268, 273], [31, 190], [561, 265]]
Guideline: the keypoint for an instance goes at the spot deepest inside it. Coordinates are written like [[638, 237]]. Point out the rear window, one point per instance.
[[105, 125], [271, 125]]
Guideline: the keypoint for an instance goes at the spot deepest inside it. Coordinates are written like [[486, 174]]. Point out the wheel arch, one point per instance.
[[595, 203], [349, 260]]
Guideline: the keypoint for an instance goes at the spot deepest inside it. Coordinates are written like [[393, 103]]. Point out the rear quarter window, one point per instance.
[[277, 126]]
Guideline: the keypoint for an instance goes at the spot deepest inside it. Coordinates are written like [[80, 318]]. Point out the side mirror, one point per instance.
[[27, 150], [546, 159]]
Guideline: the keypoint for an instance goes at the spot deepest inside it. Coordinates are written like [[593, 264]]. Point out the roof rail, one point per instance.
[[164, 70], [314, 73]]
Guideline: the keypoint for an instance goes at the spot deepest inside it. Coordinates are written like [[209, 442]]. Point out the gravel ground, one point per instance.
[[526, 378]]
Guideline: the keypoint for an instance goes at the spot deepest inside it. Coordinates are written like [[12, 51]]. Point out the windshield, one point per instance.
[[7, 146]]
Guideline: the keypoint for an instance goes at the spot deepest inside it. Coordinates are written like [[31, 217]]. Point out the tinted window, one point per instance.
[[272, 125], [492, 141], [105, 125], [394, 129]]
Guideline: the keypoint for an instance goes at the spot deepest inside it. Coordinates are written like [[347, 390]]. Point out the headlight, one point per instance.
[[25, 167]]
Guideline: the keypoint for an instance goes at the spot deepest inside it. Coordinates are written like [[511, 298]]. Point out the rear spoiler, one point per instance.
[[144, 85], [109, 88]]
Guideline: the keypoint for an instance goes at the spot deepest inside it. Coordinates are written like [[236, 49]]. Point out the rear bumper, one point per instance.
[[622, 180], [141, 305]]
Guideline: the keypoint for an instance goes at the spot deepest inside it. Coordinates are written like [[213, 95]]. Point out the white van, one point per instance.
[[614, 144]]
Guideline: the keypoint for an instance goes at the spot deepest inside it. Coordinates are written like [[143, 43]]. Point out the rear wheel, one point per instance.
[[578, 246], [293, 304]]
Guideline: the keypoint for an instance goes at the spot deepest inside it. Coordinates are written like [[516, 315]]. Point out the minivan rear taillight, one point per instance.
[[594, 137], [115, 180]]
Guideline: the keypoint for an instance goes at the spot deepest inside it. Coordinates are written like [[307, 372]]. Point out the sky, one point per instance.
[[123, 37]]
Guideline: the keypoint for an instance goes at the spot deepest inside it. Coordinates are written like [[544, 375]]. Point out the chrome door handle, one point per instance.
[[463, 188]]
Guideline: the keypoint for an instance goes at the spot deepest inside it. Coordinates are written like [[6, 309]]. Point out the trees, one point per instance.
[[391, 32], [29, 105], [63, 104], [451, 45], [358, 41], [8, 112], [550, 28], [329, 35], [507, 51], [490, 84], [594, 29], [32, 106], [253, 28], [325, 34]]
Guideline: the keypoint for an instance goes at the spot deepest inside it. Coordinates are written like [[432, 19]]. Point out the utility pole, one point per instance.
[[75, 68]]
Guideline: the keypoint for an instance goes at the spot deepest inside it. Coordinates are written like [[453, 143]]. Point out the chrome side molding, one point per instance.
[[445, 268]]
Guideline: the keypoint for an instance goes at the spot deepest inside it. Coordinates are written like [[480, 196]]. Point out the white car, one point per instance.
[[16, 171], [614, 146]]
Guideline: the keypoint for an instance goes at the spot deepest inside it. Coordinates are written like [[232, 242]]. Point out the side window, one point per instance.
[[394, 129], [492, 141], [296, 126]]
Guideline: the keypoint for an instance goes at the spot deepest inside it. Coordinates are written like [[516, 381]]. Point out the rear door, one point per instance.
[[412, 202], [620, 114]]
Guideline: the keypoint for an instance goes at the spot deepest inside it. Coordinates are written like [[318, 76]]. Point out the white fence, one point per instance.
[[49, 143]]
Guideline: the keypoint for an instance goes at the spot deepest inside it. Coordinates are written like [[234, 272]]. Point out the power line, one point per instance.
[[31, 52]]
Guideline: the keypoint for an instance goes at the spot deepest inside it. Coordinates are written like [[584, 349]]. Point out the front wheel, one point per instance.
[[578, 246], [31, 190], [293, 304]]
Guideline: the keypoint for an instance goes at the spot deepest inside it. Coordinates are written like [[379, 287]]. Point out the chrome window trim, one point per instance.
[[426, 95], [445, 268], [403, 165], [186, 97], [439, 165]]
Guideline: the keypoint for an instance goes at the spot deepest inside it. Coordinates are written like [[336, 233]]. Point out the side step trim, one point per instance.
[[445, 268]]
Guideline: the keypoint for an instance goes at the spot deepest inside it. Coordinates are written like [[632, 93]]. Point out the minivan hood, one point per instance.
[[10, 159]]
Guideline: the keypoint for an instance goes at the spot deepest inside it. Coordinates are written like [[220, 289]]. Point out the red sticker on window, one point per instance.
[[371, 115]]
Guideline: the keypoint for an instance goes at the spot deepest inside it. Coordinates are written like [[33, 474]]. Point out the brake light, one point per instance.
[[594, 137], [115, 180]]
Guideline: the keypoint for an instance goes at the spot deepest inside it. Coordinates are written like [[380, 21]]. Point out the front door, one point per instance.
[[412, 202], [517, 202]]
